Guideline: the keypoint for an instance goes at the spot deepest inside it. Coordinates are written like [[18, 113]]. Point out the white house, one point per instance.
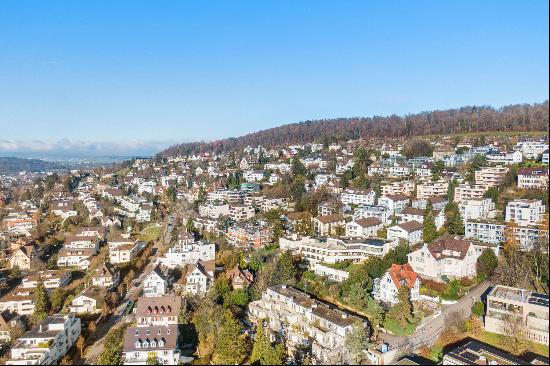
[[88, 302], [155, 284], [199, 277], [185, 252], [525, 212], [358, 196], [140, 343], [448, 256], [410, 231], [106, 276], [533, 178], [394, 202], [386, 288], [47, 342], [364, 228], [476, 208]]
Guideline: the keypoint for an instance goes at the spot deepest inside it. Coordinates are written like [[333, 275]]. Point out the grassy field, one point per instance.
[[150, 233], [493, 339]]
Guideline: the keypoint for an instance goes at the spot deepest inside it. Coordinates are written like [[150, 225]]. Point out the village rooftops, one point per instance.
[[411, 226], [168, 305]]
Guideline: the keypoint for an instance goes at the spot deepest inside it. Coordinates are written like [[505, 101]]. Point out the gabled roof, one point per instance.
[[327, 219], [411, 226], [168, 305], [441, 247], [368, 222]]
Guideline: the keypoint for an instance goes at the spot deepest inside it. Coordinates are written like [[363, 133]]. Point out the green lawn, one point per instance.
[[150, 233], [392, 326], [496, 339]]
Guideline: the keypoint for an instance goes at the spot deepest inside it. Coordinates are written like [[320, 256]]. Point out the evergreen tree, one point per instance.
[[429, 230], [264, 353], [297, 167], [376, 315], [231, 346], [41, 302], [285, 270], [454, 220], [487, 263]]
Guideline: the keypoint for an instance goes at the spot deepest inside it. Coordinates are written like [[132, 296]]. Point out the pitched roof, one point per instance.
[[368, 222], [402, 275], [449, 247], [411, 226], [397, 197], [168, 334], [331, 218], [168, 305]]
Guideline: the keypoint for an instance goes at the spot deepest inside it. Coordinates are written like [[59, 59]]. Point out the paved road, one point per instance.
[[93, 352], [427, 333]]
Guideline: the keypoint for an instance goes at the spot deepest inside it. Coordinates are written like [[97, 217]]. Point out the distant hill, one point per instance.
[[10, 165], [469, 119]]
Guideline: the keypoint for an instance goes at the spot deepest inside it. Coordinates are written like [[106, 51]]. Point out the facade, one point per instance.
[[395, 203], [363, 228], [125, 253], [466, 191], [88, 302], [199, 277], [410, 231], [142, 342], [386, 288], [429, 189], [506, 158], [106, 276], [404, 187], [327, 225], [490, 176], [299, 320], [47, 342], [240, 213], [533, 178], [52, 279], [530, 309], [476, 208], [451, 257], [188, 252], [382, 213], [358, 196], [155, 284], [158, 311], [525, 212], [333, 274]]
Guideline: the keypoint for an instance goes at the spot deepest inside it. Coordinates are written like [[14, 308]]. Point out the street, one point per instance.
[[428, 332]]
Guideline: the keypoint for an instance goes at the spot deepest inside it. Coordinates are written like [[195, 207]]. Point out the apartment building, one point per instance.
[[88, 302], [416, 214], [155, 283], [493, 232], [404, 187], [533, 178], [158, 311], [531, 149], [199, 277], [476, 208], [300, 320], [333, 250], [506, 158], [466, 191], [240, 213], [530, 308], [249, 235], [450, 257], [333, 274], [358, 196], [125, 253], [188, 252], [52, 279], [160, 341], [438, 202], [213, 210], [363, 228], [430, 189], [20, 301], [477, 353], [525, 212], [382, 213], [47, 342], [394, 202], [490, 176], [410, 231]]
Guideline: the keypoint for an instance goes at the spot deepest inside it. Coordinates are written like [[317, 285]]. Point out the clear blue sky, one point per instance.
[[187, 70]]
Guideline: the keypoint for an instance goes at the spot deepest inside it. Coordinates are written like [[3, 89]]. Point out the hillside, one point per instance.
[[520, 118], [10, 165]]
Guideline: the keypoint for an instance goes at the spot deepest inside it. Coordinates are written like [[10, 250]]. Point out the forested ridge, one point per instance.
[[511, 118], [10, 165]]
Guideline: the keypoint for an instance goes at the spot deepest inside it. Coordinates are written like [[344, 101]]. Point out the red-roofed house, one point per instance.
[[387, 287]]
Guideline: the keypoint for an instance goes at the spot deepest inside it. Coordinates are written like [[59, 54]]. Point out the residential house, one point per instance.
[[410, 231], [394, 202], [525, 212], [106, 276], [387, 287], [533, 178], [161, 341], [199, 277], [155, 283], [90, 301], [158, 311], [476, 208], [327, 225], [239, 278], [364, 228], [358, 196]]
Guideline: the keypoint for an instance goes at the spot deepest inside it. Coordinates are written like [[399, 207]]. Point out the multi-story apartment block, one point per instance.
[[382, 213], [52, 279], [47, 342], [328, 225], [363, 228], [142, 342], [506, 158], [333, 250], [240, 212], [531, 149], [299, 320], [404, 187], [410, 231], [525, 212], [213, 209], [533, 178], [493, 232], [416, 214], [158, 311], [476, 208], [466, 191], [188, 252], [490, 176], [394, 202], [515, 304], [430, 189], [358, 196]]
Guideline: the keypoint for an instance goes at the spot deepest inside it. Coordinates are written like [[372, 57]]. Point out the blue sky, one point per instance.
[[153, 72]]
